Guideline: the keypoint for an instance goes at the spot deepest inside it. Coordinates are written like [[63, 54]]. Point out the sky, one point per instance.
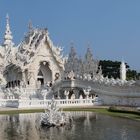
[[111, 28]]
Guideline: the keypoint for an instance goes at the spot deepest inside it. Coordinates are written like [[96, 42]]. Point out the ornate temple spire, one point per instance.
[[72, 61], [90, 65], [72, 54], [8, 43], [88, 55], [123, 71]]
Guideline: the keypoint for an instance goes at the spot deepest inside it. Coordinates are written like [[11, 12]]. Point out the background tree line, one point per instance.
[[112, 69]]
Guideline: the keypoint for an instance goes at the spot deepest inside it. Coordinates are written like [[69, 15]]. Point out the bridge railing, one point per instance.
[[15, 103]]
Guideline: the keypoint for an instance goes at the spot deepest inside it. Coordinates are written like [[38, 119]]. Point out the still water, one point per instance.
[[86, 126]]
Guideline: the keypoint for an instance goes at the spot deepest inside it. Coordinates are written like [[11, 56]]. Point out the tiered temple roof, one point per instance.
[[80, 66]]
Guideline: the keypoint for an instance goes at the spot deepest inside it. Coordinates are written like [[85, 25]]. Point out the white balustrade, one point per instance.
[[44, 103]]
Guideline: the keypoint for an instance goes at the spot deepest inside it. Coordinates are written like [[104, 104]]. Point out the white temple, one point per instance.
[[35, 61], [36, 69]]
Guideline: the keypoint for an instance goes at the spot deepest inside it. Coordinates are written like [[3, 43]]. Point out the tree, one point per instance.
[[112, 69]]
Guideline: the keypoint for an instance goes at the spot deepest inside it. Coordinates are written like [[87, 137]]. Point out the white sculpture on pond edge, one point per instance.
[[54, 117]]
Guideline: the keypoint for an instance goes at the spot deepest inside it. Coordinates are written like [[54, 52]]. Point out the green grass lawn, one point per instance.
[[106, 112], [17, 111]]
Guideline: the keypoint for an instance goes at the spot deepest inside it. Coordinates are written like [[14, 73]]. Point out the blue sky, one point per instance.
[[110, 27]]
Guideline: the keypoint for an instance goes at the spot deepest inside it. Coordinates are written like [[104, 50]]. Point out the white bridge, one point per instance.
[[128, 95], [109, 94], [99, 88]]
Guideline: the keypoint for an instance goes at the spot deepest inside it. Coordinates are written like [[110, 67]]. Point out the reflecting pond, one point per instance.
[[86, 126]]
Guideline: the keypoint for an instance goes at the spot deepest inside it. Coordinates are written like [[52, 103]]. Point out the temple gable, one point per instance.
[[36, 53]]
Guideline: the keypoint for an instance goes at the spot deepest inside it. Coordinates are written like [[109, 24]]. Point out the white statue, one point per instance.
[[80, 97], [123, 71], [66, 93], [87, 91], [73, 96], [71, 75], [54, 117]]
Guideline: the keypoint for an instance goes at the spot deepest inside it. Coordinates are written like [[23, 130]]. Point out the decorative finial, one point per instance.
[[8, 43], [30, 25], [7, 19]]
